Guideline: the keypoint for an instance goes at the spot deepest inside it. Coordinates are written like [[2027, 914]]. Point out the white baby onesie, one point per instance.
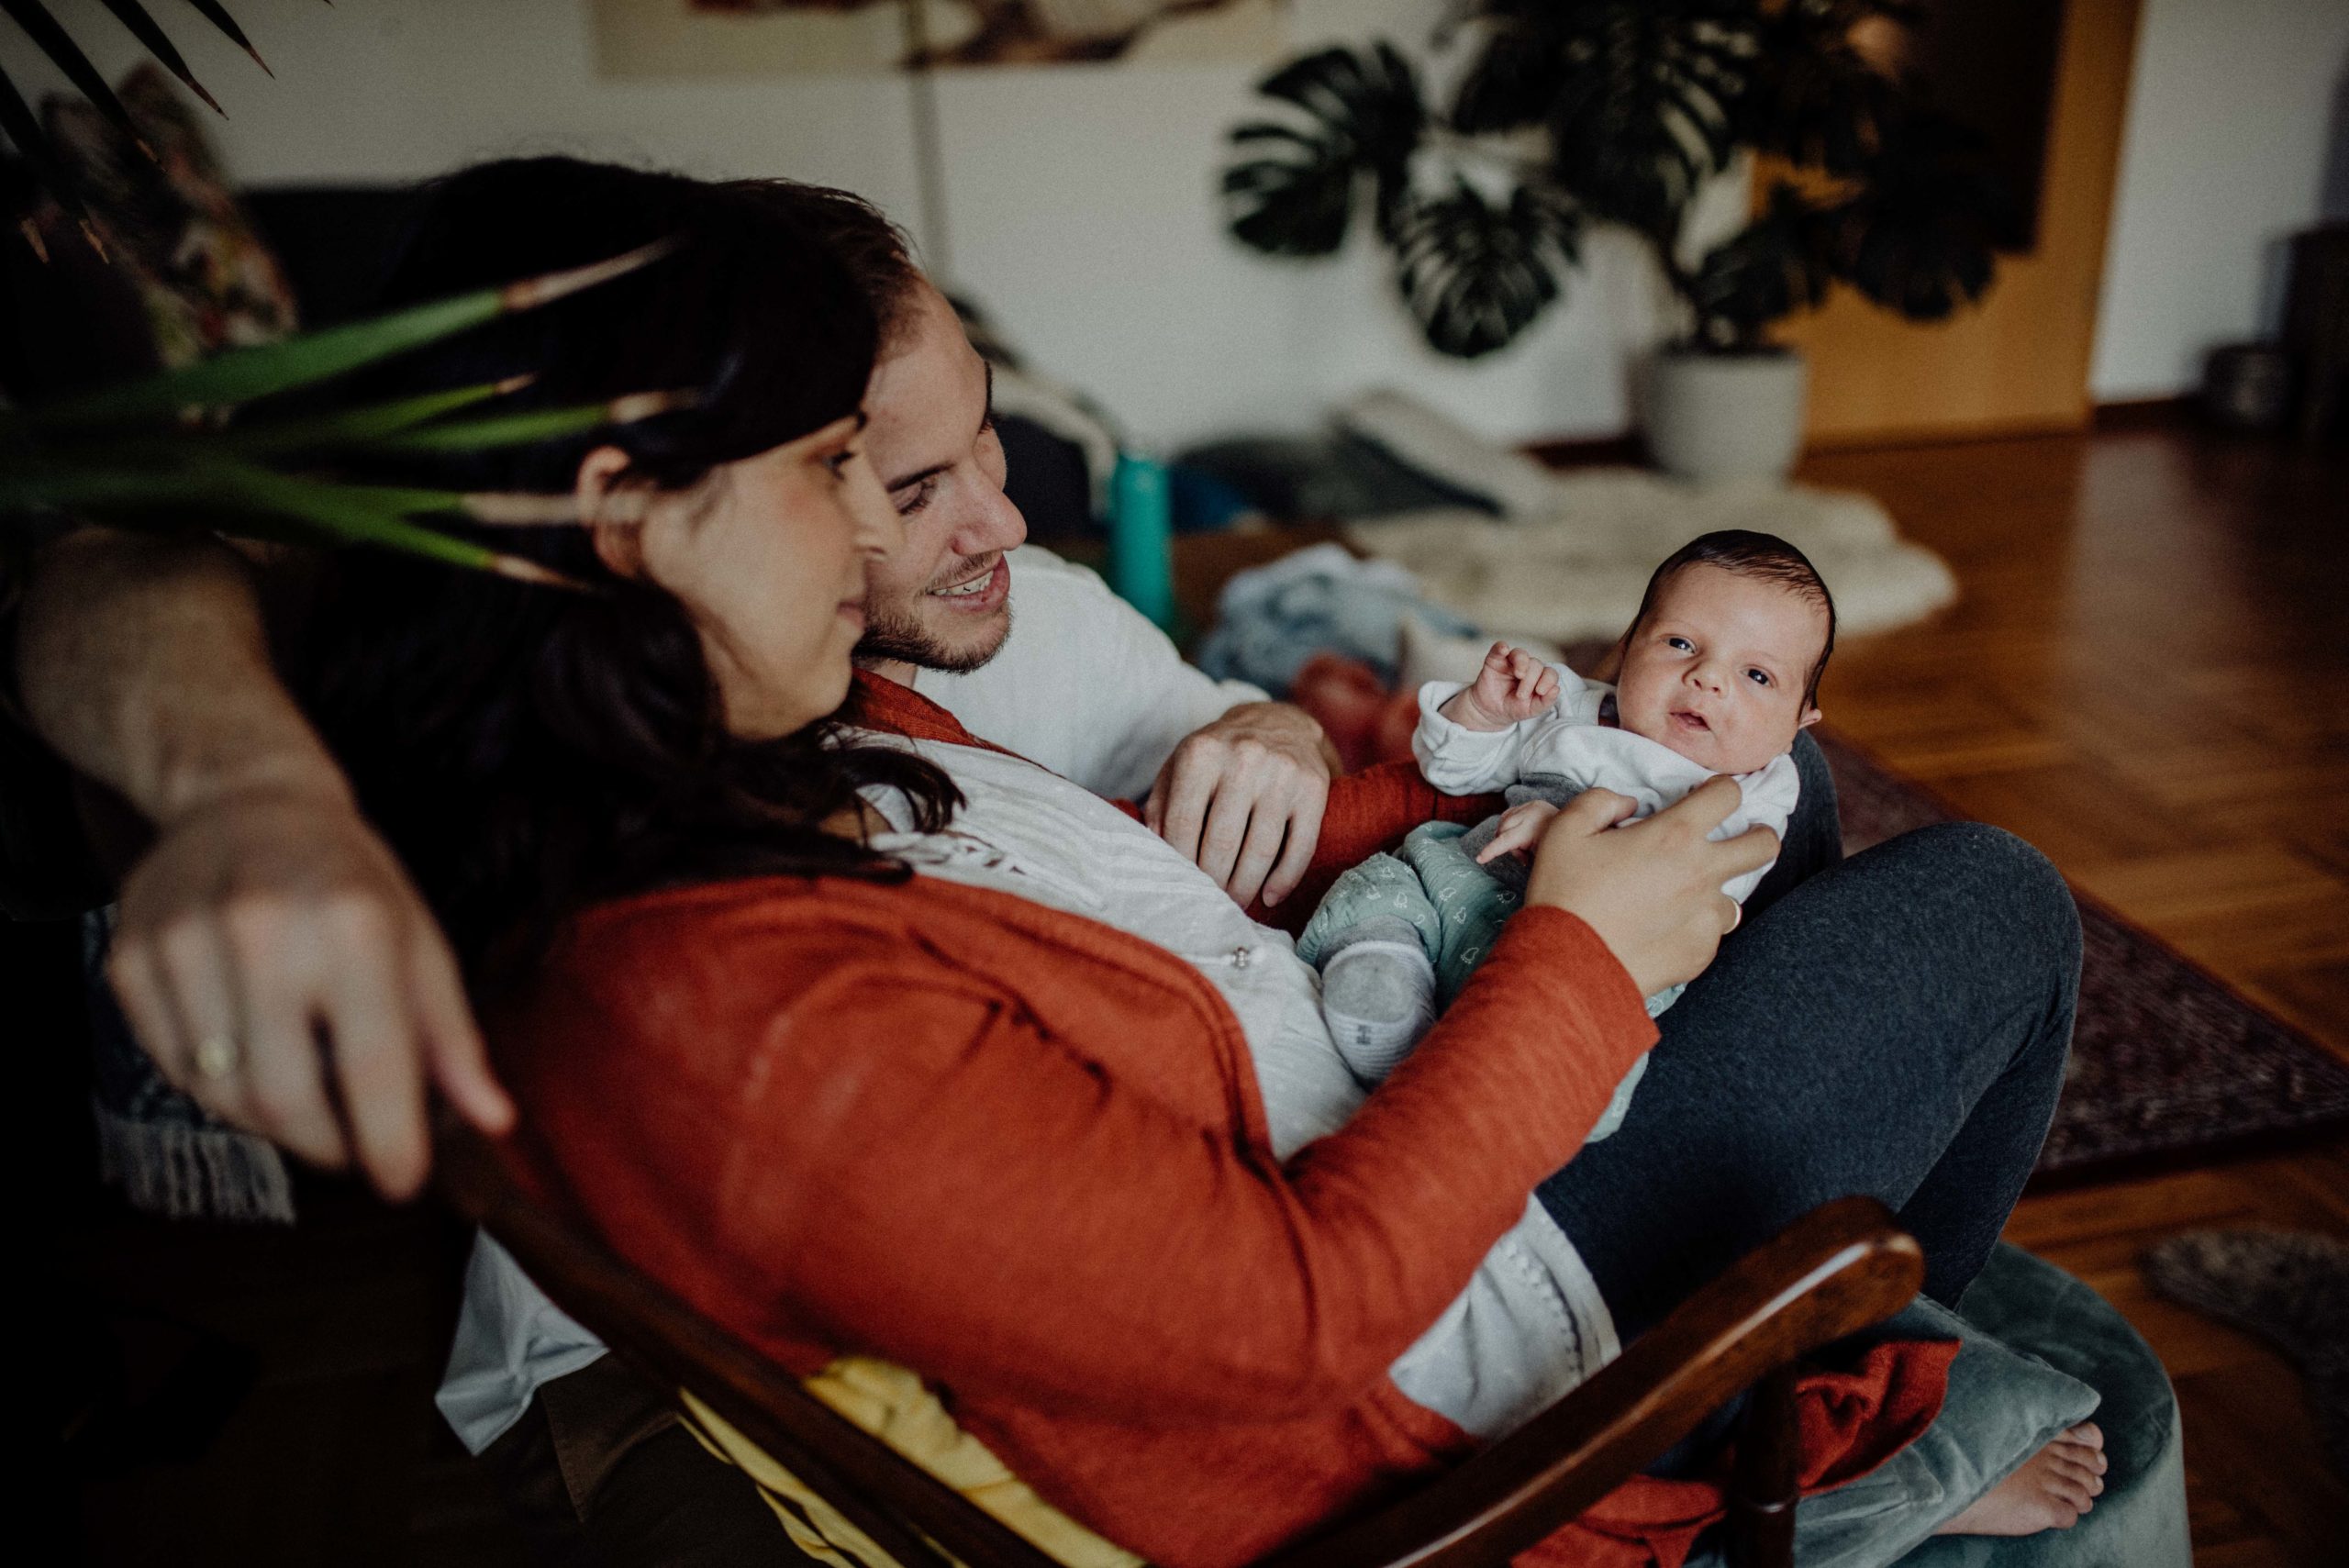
[[1569, 744]]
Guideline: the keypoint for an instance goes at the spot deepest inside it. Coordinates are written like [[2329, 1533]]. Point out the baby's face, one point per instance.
[[1718, 669]]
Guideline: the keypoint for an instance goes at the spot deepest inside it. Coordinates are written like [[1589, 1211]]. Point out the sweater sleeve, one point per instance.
[[922, 1169]]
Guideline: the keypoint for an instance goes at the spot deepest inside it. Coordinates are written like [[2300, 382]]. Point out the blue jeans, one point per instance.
[[1893, 1024]]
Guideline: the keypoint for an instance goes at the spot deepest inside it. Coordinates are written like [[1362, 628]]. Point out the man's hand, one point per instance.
[[271, 956], [278, 965], [1652, 892], [1512, 686], [1243, 797]]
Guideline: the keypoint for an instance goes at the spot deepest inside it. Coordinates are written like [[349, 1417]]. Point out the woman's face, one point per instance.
[[769, 556]]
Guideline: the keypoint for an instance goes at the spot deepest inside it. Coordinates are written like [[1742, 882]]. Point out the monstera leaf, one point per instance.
[[1641, 112], [1476, 274], [1361, 119], [1917, 235], [1779, 263], [1813, 98]]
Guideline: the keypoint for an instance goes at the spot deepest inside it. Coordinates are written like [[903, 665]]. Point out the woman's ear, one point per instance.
[[616, 527]]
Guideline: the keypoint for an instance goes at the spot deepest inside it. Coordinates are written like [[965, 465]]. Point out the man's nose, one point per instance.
[[994, 524]]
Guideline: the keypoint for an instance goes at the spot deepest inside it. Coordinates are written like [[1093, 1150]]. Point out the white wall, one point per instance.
[[2231, 109], [1081, 200]]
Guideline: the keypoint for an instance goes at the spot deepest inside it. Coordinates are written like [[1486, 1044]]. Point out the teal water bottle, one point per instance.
[[1142, 559]]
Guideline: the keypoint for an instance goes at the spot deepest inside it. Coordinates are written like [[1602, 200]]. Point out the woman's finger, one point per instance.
[[1750, 851], [1595, 808]]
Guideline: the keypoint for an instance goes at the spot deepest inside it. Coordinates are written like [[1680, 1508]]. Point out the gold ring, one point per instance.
[[217, 1056]]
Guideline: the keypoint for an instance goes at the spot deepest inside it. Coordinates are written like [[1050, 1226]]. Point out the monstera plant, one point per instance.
[[1575, 112]]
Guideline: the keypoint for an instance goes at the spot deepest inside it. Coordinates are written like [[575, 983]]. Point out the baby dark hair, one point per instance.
[[1749, 554]]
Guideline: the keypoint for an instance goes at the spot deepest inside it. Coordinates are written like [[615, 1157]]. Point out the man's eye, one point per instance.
[[914, 500], [838, 462]]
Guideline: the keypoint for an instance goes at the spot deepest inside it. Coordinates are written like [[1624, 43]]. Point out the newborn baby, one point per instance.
[[1719, 671]]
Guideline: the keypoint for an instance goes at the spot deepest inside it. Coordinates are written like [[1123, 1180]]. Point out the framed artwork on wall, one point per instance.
[[711, 39]]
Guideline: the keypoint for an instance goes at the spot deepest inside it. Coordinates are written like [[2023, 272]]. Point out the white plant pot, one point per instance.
[[1714, 418]]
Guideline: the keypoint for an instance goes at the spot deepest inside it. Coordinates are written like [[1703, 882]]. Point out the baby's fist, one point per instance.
[[1512, 686]]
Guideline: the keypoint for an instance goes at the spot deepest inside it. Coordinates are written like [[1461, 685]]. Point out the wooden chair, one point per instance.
[[1836, 1271]]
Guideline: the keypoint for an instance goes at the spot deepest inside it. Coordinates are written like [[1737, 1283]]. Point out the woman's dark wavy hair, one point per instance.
[[529, 750]]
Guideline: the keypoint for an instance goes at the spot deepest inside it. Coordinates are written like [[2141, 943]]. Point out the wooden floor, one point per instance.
[[2148, 678]]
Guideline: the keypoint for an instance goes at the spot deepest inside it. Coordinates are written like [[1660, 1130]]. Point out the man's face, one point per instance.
[[944, 601]]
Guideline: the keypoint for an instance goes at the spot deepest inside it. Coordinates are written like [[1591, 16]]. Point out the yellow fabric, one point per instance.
[[894, 1405]]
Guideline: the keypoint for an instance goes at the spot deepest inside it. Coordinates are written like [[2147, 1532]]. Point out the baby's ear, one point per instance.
[[1809, 717]]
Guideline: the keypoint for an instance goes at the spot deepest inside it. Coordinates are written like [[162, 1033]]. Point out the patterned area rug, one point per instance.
[[2169, 1063]]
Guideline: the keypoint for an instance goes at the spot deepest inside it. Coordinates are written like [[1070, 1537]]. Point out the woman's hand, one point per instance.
[[278, 966], [1652, 889]]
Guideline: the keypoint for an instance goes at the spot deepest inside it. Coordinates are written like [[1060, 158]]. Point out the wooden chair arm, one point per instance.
[[1838, 1270], [896, 1502]]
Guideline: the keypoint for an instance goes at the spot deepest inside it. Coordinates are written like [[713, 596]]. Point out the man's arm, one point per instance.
[[1089, 688], [266, 918]]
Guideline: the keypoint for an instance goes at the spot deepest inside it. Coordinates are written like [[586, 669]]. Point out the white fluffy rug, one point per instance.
[[1576, 569]]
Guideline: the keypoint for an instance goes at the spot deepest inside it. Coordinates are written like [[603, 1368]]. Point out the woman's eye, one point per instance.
[[838, 462], [917, 497]]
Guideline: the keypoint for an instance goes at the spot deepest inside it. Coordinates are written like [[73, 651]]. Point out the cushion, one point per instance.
[[2040, 1351]]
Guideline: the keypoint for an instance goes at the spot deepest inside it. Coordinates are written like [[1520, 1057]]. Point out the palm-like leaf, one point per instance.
[[1476, 274], [132, 455], [1362, 118], [50, 37]]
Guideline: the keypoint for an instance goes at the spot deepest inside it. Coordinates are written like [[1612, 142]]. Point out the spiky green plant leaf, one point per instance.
[[51, 38], [155, 41], [242, 375]]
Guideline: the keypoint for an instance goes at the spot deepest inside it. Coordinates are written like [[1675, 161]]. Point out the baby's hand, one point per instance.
[[1513, 685], [1521, 828]]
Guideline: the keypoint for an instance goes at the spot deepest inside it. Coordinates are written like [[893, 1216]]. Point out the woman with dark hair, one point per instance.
[[869, 1039]]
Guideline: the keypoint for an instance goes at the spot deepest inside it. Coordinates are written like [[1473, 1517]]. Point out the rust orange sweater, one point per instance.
[[1024, 1154]]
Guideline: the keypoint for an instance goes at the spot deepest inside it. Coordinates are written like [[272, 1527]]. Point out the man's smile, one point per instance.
[[982, 591]]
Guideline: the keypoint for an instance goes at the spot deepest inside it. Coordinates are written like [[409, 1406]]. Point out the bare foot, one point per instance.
[[2051, 1490]]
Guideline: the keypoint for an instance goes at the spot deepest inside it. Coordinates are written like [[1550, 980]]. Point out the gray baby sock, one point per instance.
[[1378, 995]]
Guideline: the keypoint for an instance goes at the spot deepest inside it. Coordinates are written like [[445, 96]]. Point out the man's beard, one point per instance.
[[890, 636]]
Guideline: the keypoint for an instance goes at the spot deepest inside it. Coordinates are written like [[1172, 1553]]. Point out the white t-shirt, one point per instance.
[[1083, 685]]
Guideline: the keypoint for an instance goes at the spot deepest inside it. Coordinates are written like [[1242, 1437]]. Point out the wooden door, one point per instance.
[[2019, 359]]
